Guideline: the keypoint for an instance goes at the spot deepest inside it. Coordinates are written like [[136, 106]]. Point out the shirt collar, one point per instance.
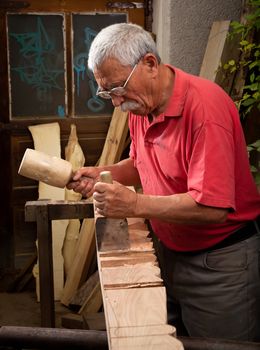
[[177, 99]]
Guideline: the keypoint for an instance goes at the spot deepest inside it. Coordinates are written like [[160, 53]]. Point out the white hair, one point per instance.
[[127, 42]]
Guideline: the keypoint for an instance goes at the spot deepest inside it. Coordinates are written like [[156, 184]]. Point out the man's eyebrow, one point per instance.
[[112, 85], [116, 84]]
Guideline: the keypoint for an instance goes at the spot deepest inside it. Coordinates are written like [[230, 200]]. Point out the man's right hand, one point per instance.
[[84, 180]]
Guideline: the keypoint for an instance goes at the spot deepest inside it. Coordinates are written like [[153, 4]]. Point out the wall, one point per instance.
[[182, 28]]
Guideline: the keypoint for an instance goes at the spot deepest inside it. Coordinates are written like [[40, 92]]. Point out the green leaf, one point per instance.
[[256, 144], [244, 42], [246, 95], [248, 102], [256, 95], [257, 179], [252, 77], [226, 66], [231, 62], [253, 87], [236, 25]]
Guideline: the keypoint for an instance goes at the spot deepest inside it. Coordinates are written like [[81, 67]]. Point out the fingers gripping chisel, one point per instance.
[[111, 233]]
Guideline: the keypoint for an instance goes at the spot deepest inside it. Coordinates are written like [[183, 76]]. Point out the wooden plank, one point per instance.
[[85, 246], [74, 155], [220, 49], [151, 342], [142, 331], [93, 302], [216, 42], [111, 153], [136, 307], [130, 260], [85, 290], [134, 297], [72, 321], [41, 133], [138, 274], [95, 321], [115, 140], [59, 210]]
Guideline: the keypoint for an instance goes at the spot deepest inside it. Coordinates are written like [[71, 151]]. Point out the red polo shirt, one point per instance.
[[197, 147]]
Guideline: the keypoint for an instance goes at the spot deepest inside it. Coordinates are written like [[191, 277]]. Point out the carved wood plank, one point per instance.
[[134, 297], [138, 274]]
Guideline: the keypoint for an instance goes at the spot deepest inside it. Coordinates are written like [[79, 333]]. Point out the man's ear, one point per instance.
[[151, 63]]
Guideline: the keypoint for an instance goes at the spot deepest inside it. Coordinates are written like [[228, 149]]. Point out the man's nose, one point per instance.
[[117, 100]]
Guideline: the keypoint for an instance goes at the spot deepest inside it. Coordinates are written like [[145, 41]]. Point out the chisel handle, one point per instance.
[[106, 176]]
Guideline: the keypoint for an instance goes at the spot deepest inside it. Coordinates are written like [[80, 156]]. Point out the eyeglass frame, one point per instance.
[[118, 90]]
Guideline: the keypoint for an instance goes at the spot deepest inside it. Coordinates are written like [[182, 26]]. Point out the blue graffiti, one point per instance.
[[36, 48], [95, 104], [61, 111]]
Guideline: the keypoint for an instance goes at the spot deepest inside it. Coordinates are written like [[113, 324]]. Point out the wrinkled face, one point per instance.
[[139, 94]]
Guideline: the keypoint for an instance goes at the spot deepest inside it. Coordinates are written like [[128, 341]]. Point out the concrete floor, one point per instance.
[[22, 309]]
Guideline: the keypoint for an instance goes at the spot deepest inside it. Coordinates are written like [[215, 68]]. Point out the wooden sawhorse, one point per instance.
[[43, 212]]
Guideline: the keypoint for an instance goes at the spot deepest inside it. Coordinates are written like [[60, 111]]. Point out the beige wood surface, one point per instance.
[[150, 342], [135, 307], [46, 138], [214, 50], [74, 155], [81, 258], [134, 298], [85, 249], [116, 138], [219, 51], [138, 274], [120, 332]]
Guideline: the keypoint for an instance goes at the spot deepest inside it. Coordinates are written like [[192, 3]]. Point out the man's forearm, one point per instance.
[[124, 172], [179, 209]]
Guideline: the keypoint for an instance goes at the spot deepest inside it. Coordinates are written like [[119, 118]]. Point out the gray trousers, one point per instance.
[[214, 294]]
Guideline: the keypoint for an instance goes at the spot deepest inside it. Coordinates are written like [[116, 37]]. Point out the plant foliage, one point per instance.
[[249, 62]]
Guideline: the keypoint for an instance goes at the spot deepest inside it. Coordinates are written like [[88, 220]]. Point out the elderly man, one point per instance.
[[189, 155]]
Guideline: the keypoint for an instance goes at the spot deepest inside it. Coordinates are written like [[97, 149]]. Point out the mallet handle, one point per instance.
[[106, 176]]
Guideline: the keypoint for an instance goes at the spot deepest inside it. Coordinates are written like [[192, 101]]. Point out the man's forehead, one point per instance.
[[110, 73], [110, 63]]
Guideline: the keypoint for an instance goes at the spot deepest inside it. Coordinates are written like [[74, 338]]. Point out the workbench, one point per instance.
[[43, 212]]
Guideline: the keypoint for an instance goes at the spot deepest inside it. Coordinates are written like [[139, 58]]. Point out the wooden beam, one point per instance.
[[214, 50], [134, 297], [220, 49], [86, 248], [59, 210]]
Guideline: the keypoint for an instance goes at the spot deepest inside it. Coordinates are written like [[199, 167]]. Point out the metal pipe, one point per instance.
[[62, 338], [55, 338]]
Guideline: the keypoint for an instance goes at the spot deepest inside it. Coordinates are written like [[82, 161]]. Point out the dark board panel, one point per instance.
[[85, 28], [36, 65]]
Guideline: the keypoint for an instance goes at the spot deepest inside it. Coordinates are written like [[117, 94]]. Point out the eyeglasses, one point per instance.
[[117, 91]]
